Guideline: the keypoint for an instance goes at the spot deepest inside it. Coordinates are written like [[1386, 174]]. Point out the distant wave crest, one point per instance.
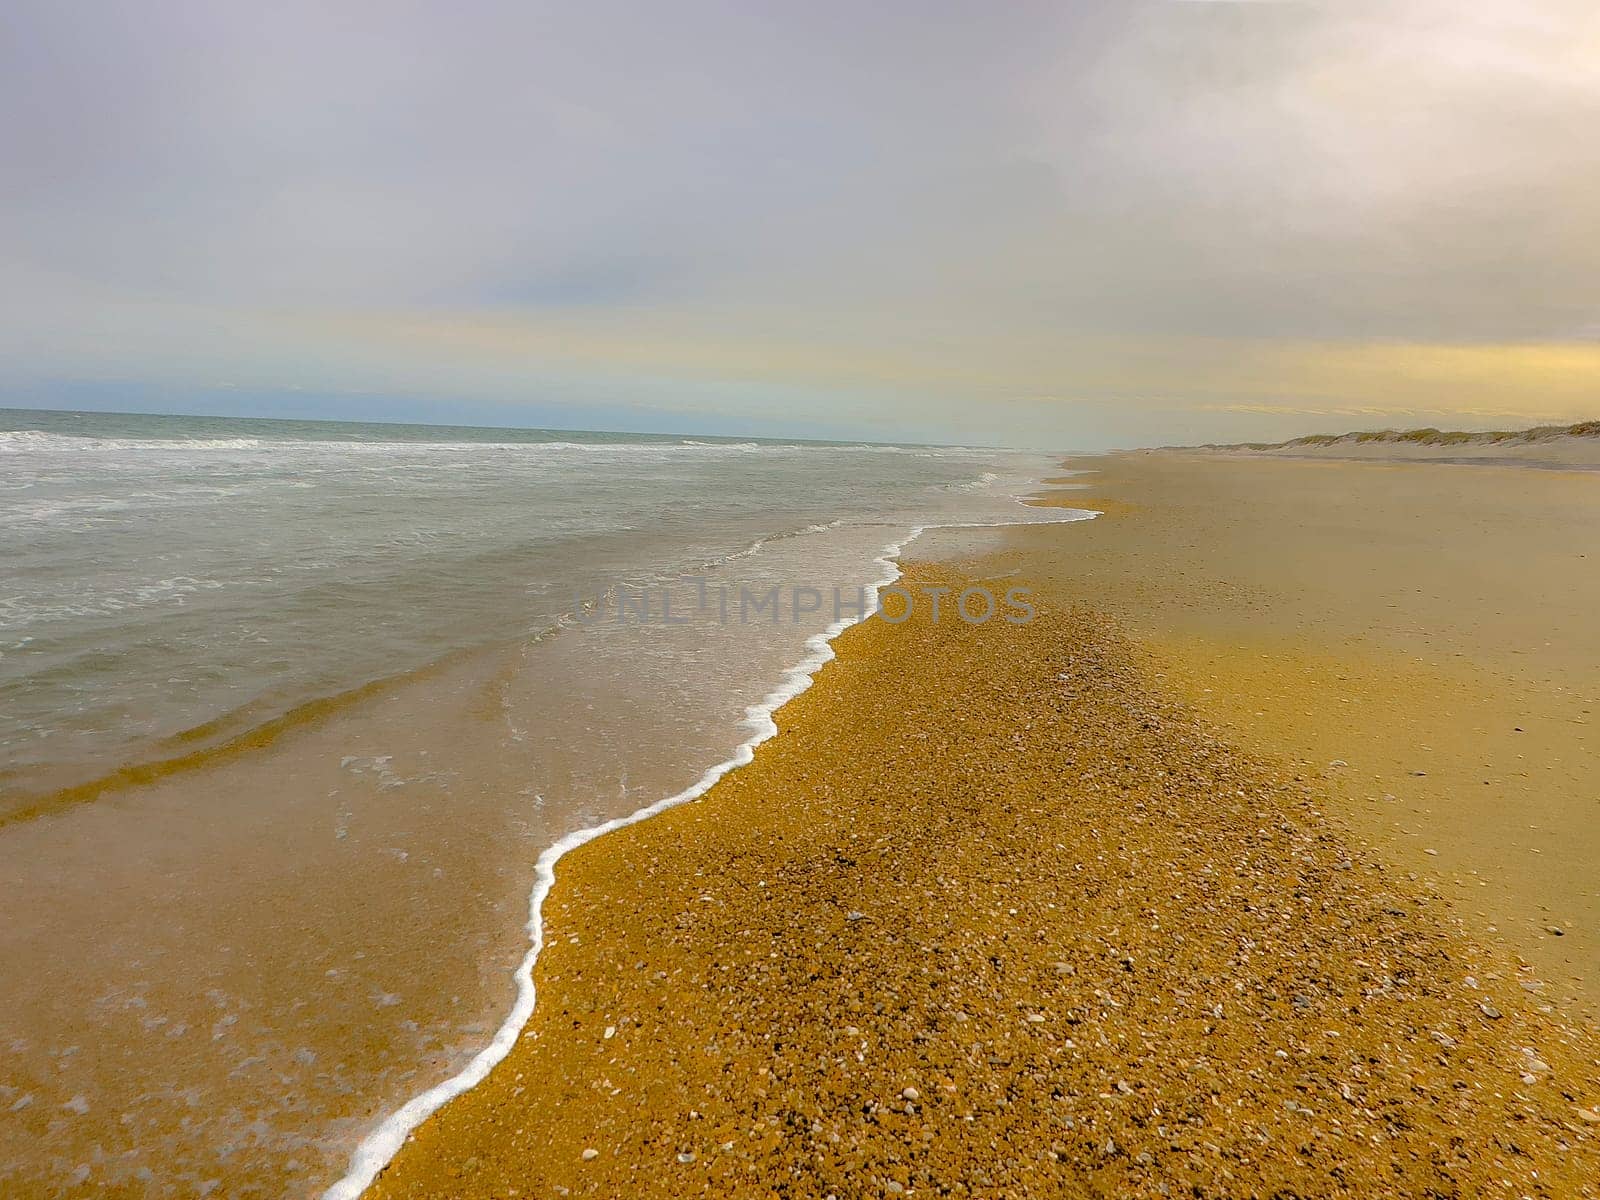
[[16, 441]]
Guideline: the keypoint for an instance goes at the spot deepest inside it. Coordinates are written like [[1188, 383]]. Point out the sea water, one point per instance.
[[290, 711]]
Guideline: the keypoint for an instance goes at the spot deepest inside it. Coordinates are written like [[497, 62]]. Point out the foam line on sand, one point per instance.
[[383, 1143]]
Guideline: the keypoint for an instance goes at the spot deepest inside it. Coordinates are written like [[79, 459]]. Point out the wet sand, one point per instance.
[[997, 913], [215, 981], [1428, 628], [222, 967]]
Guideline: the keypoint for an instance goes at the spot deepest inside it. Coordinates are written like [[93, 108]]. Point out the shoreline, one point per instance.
[[294, 942], [769, 1026], [378, 1148], [256, 724]]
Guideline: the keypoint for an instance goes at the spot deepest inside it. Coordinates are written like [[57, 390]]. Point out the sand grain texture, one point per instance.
[[1429, 626], [994, 917]]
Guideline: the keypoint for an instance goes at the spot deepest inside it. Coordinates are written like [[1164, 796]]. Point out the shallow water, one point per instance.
[[383, 673]]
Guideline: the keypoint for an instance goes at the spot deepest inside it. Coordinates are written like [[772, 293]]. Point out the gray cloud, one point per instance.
[[859, 179]]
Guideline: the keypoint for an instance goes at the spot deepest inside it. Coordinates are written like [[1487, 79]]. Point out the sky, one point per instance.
[[1061, 225]]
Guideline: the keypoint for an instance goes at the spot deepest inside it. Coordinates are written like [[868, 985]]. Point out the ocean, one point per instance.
[[291, 710]]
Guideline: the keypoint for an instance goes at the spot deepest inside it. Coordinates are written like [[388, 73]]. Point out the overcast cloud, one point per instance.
[[1057, 223]]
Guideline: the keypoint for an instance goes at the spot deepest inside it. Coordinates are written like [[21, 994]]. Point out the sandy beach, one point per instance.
[[1081, 907], [460, 470], [1418, 636], [274, 783]]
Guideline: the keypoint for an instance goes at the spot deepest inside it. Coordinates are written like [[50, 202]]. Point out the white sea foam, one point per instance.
[[383, 1143], [981, 483], [37, 440], [761, 543], [18, 441], [17, 612]]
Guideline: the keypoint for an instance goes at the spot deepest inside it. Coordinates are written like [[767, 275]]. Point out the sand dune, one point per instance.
[[1566, 446]]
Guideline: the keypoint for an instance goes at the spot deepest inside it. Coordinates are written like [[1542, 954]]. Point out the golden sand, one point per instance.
[[994, 915], [1422, 636]]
